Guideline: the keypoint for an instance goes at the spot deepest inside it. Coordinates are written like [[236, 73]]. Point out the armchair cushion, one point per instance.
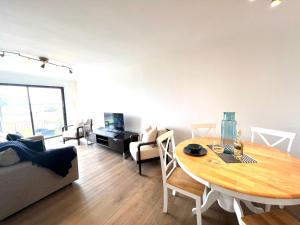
[[8, 157], [149, 135], [147, 151], [72, 132]]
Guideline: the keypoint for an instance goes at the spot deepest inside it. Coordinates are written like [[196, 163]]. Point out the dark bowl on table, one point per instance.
[[195, 150]]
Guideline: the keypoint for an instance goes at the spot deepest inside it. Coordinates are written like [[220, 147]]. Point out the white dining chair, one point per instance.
[[174, 178], [282, 135], [204, 130], [208, 129]]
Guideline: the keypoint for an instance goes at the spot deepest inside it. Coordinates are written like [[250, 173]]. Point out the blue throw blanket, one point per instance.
[[57, 160]]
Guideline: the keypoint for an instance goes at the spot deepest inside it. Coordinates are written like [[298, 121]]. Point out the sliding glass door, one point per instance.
[[31, 110], [14, 110], [47, 110]]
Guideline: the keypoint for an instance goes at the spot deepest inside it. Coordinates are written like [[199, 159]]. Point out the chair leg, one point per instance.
[[205, 193], [78, 141], [140, 167], [174, 193], [165, 209], [198, 211], [267, 208], [64, 140]]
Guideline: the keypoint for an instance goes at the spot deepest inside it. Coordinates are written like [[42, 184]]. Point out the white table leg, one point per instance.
[[238, 211], [210, 199], [254, 208], [228, 203], [268, 208]]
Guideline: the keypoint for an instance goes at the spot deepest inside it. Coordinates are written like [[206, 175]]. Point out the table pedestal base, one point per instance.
[[228, 203]]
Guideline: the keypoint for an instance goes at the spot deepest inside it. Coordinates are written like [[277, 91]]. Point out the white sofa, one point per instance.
[[23, 184]]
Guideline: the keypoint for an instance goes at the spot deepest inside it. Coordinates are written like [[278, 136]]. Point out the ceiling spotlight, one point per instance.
[[275, 3], [70, 71], [44, 60]]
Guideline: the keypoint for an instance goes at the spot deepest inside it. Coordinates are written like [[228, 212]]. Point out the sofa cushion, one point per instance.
[[37, 138], [9, 157], [13, 137], [147, 151], [37, 145]]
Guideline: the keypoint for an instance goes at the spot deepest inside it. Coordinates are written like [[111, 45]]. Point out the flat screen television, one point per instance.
[[114, 121]]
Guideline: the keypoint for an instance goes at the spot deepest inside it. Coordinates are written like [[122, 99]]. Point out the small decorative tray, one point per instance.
[[229, 158]]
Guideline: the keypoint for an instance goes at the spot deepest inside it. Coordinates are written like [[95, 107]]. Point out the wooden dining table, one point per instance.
[[273, 180]]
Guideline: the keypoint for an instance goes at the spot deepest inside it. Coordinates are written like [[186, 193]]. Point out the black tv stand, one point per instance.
[[118, 141]]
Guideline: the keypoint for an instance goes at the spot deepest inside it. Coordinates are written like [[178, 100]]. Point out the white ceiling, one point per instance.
[[79, 32]]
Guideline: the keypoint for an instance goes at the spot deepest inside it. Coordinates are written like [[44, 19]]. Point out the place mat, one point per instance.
[[229, 158]]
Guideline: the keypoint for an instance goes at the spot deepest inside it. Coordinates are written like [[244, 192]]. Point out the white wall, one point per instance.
[[256, 78], [70, 87]]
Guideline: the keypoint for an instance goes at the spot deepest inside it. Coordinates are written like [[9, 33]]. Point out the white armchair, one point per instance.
[[77, 132], [145, 148]]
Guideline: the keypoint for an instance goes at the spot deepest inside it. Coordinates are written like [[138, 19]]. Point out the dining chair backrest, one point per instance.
[[283, 135], [166, 144], [208, 128]]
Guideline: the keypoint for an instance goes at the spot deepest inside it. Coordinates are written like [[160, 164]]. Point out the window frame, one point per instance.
[[62, 90]]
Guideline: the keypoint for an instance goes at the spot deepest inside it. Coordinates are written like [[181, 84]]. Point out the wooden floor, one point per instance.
[[110, 192]]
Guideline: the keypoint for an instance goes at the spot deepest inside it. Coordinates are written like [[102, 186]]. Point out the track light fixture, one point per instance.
[[274, 3], [42, 59]]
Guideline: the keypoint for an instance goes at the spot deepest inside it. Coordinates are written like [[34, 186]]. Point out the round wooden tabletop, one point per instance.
[[276, 174]]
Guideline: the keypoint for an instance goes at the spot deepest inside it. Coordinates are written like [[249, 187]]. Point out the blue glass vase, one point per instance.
[[228, 131]]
